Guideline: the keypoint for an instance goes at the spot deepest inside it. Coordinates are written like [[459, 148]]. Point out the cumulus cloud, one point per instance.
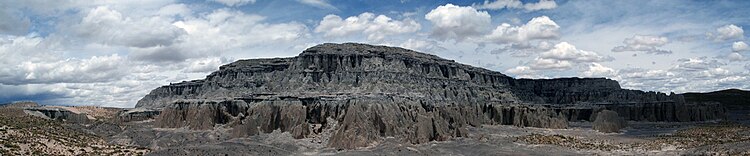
[[688, 74], [739, 46], [564, 56], [697, 64], [523, 49], [375, 27], [517, 4], [537, 28], [522, 72], [541, 5], [456, 22], [108, 26], [228, 26], [205, 65], [323, 4], [519, 70], [727, 32], [648, 79], [94, 69], [234, 2], [35, 60], [644, 43], [220, 31], [175, 9], [545, 64], [598, 70], [422, 45], [568, 52], [735, 57]]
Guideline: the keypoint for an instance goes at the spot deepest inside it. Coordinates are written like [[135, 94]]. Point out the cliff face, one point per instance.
[[371, 92], [343, 68]]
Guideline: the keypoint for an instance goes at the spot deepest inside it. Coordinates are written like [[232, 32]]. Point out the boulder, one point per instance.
[[608, 121]]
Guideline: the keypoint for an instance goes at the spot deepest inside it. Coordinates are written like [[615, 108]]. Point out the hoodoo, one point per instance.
[[362, 93]]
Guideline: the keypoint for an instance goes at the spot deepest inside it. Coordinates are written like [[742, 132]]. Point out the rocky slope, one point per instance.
[[731, 98], [24, 134], [736, 101], [372, 92]]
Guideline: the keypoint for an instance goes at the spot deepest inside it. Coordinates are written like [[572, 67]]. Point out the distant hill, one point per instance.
[[20, 104], [731, 98]]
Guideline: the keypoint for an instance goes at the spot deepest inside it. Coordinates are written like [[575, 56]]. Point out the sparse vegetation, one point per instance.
[[688, 138], [22, 134]]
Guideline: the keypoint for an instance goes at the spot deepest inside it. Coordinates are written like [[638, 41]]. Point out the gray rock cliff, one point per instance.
[[371, 92]]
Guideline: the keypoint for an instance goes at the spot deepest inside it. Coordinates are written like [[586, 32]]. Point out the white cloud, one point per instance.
[[690, 74], [645, 43], [519, 70], [727, 32], [537, 28], [234, 2], [221, 31], [522, 72], [715, 72], [739, 46], [108, 26], [376, 28], [234, 28], [94, 69], [456, 22], [524, 49], [323, 4], [175, 9], [422, 45], [735, 57], [541, 5], [568, 52], [34, 59], [205, 65], [697, 64], [161, 54], [564, 56], [517, 4], [544, 64], [499, 4], [596, 69]]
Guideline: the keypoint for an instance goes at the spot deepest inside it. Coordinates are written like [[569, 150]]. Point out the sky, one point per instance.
[[111, 52]]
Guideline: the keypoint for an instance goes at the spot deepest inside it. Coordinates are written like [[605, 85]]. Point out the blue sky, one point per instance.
[[111, 53]]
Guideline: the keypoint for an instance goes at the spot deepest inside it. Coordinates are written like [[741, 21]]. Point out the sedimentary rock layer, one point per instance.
[[360, 120], [137, 114], [379, 91], [58, 114]]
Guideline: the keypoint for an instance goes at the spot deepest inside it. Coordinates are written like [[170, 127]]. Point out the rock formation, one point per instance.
[[138, 114], [57, 114], [20, 104], [608, 121], [371, 92]]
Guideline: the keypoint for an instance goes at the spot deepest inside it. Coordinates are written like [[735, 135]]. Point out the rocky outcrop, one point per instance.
[[20, 104], [361, 120], [377, 91], [609, 122], [58, 114], [138, 114]]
